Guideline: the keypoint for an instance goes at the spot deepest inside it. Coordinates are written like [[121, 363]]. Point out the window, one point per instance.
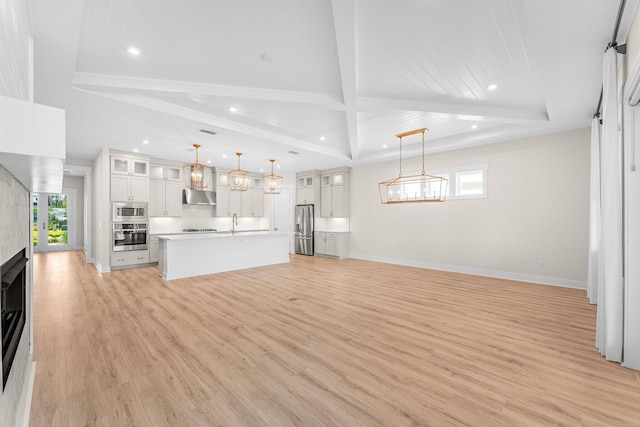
[[465, 182]]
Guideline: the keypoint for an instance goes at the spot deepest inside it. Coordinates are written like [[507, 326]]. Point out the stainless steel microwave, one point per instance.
[[129, 212]]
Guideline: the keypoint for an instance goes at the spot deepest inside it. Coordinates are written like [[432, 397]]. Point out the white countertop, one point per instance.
[[214, 234]]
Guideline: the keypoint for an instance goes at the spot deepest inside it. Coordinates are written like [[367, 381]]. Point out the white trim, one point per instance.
[[24, 405], [544, 280], [100, 268]]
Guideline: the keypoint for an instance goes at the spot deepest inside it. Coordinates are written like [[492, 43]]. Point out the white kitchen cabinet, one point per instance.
[[308, 188], [332, 244], [253, 198], [121, 165], [127, 258], [166, 172], [334, 193], [165, 198], [127, 188]]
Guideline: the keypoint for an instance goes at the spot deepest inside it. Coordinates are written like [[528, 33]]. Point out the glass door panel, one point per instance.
[[50, 222]]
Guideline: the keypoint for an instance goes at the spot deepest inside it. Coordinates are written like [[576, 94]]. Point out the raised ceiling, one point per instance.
[[331, 80]]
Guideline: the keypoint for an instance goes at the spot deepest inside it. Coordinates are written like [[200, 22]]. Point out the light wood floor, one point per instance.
[[316, 342]]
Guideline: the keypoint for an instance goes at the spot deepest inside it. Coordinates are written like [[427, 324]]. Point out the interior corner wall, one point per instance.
[[533, 226], [77, 182], [100, 212]]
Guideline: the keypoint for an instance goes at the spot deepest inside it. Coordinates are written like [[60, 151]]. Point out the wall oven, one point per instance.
[[130, 237], [129, 212]]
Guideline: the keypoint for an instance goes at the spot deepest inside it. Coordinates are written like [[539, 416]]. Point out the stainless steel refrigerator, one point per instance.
[[303, 231]]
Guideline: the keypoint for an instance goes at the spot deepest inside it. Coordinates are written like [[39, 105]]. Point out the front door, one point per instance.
[[51, 222]]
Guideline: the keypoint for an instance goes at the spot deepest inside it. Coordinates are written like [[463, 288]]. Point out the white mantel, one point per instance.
[[188, 255]]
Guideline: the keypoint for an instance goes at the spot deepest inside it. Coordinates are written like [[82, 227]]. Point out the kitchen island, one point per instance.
[[188, 255]]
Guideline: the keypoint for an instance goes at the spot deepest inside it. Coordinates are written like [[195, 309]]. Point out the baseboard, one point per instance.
[[545, 280], [100, 268], [27, 395]]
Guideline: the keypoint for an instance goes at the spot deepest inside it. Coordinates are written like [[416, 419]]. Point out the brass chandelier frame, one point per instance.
[[195, 174], [421, 188], [272, 182]]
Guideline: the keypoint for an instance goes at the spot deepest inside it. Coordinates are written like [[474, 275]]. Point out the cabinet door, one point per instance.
[[337, 201], [304, 196], [173, 173], [139, 167], [223, 207], [173, 198], [235, 202], [120, 188], [119, 165], [331, 246], [247, 203], [258, 203], [156, 197], [325, 180], [156, 171], [320, 243], [139, 189], [337, 178], [300, 182], [325, 202]]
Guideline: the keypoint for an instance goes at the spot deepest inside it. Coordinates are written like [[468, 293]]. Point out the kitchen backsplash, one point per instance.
[[194, 216]]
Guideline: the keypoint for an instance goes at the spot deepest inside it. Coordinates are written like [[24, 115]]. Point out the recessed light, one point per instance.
[[224, 156], [322, 138], [492, 86], [385, 146], [209, 161], [233, 109], [278, 166], [133, 51], [146, 141], [267, 57], [474, 127], [261, 170], [135, 150]]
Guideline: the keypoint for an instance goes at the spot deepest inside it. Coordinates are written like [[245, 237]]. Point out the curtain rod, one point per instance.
[[613, 43]]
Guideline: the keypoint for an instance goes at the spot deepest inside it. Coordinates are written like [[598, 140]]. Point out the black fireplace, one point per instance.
[[14, 279]]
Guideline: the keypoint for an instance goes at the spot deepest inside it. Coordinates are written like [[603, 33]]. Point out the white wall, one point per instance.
[[537, 211], [77, 183], [101, 212]]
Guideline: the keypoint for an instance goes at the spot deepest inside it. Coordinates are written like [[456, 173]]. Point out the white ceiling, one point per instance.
[[354, 72]]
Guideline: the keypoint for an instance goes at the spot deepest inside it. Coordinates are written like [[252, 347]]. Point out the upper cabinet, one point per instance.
[[248, 203], [334, 193], [121, 165], [167, 172], [308, 188], [129, 179], [166, 190]]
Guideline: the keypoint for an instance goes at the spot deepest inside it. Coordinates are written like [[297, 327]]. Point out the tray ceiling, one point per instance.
[[333, 80]]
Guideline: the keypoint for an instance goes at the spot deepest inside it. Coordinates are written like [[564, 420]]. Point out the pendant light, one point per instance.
[[413, 188], [272, 182], [196, 176], [238, 179]]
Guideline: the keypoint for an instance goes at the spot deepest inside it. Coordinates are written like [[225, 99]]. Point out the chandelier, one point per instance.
[[272, 182], [413, 188], [238, 179], [195, 175]]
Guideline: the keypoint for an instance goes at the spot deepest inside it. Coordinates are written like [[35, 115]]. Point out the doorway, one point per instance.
[[53, 221]]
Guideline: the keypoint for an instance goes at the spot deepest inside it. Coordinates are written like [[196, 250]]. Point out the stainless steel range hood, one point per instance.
[[198, 197]]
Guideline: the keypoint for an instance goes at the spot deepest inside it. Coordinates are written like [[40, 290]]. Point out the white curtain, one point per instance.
[[609, 331], [594, 215]]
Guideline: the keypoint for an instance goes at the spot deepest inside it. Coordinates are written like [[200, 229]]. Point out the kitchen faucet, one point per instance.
[[234, 222]]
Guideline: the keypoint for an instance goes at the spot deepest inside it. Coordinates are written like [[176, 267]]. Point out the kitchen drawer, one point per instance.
[[119, 259]]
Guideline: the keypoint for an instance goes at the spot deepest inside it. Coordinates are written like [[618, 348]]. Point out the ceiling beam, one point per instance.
[[466, 111], [238, 125], [345, 22], [92, 81]]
